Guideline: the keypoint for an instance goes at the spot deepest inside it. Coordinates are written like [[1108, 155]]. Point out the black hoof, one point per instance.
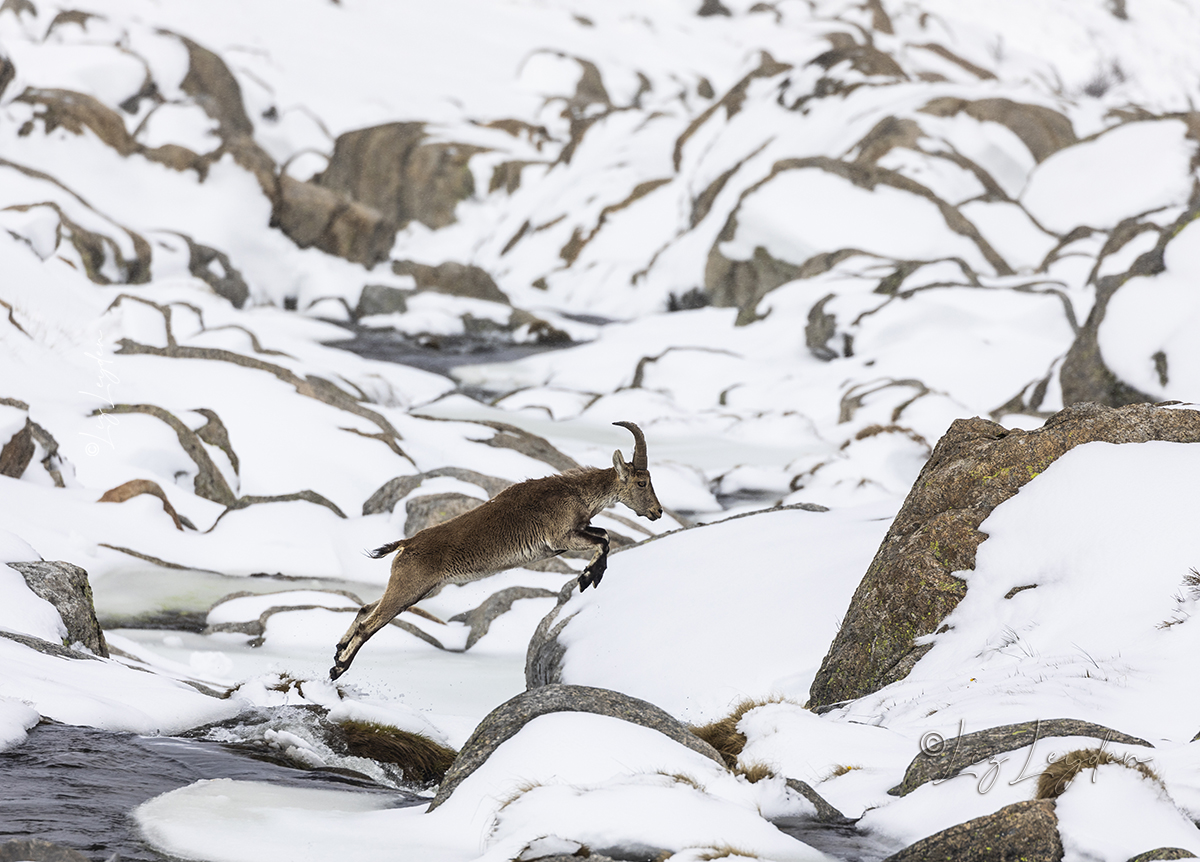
[[337, 670], [585, 581]]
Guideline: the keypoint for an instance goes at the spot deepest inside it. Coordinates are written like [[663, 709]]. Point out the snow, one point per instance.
[[14, 549], [710, 654], [1154, 316], [883, 221], [1145, 167], [627, 780], [26, 613], [15, 719], [1112, 812], [105, 693], [833, 394], [1098, 624]]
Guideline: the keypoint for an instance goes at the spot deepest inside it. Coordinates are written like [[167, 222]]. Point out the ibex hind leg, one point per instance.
[[343, 654], [403, 591]]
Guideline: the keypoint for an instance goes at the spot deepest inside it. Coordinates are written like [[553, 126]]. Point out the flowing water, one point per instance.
[[439, 354], [76, 786]]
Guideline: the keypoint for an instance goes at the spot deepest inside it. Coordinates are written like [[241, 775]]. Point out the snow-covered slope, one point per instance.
[[792, 241]]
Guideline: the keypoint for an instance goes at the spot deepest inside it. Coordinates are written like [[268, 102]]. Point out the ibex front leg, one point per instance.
[[403, 591], [589, 538]]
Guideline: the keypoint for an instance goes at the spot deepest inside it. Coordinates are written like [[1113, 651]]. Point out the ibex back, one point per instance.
[[522, 524]]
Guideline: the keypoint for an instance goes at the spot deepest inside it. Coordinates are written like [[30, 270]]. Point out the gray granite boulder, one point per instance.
[[1163, 853], [942, 759], [430, 510], [910, 586], [66, 587], [506, 721], [1026, 831]]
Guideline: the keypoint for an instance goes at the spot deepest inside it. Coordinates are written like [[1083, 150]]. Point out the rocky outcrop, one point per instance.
[[17, 453], [1084, 375], [544, 656], [381, 299], [66, 587], [137, 487], [377, 181], [480, 618], [313, 216], [910, 587], [1163, 853], [1024, 830], [742, 283], [224, 278], [506, 720], [456, 279], [433, 509], [75, 111], [396, 171], [1043, 130], [942, 759], [395, 490]]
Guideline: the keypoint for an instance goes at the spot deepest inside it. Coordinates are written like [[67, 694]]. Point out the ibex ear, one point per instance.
[[620, 466]]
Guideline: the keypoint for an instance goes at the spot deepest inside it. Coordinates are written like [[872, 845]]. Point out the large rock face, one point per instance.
[[395, 171], [1024, 830], [66, 587], [507, 719], [910, 586]]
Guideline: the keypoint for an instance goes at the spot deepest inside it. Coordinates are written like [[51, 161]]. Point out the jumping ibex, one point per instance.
[[522, 524]]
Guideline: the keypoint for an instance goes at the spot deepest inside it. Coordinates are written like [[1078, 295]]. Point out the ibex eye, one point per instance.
[[641, 484]]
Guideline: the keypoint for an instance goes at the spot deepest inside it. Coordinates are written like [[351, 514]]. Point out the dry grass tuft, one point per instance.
[[723, 734], [421, 760], [840, 769], [724, 852], [754, 772], [681, 778], [1059, 774]]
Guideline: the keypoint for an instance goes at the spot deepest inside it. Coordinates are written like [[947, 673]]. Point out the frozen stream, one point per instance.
[[75, 786], [150, 597]]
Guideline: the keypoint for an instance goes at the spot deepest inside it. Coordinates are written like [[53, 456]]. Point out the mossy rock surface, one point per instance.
[[1026, 831], [66, 586], [946, 758], [910, 585], [1163, 853]]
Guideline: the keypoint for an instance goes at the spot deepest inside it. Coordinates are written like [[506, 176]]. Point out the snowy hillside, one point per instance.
[[792, 241]]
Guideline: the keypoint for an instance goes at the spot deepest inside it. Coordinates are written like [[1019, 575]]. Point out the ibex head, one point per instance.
[[636, 491]]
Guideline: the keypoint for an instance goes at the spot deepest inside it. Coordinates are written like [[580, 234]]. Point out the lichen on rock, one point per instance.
[[910, 586]]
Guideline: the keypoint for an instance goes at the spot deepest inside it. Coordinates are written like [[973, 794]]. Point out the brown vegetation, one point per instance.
[[1059, 774], [422, 760], [724, 736]]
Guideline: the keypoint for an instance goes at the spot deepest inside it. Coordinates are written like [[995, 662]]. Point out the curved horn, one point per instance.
[[639, 445]]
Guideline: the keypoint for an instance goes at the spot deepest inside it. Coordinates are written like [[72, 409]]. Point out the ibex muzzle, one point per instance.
[[523, 524]]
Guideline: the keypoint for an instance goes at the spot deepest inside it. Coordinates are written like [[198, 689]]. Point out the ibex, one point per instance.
[[524, 523]]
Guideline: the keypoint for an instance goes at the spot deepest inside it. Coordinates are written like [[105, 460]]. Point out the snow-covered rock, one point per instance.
[[794, 242]]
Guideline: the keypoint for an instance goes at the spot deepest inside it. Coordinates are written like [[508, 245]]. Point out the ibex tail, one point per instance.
[[384, 550]]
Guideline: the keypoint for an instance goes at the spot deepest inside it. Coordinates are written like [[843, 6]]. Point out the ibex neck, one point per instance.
[[599, 488]]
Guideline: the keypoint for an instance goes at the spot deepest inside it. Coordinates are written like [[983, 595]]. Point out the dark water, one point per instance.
[[438, 353], [76, 786], [840, 840]]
